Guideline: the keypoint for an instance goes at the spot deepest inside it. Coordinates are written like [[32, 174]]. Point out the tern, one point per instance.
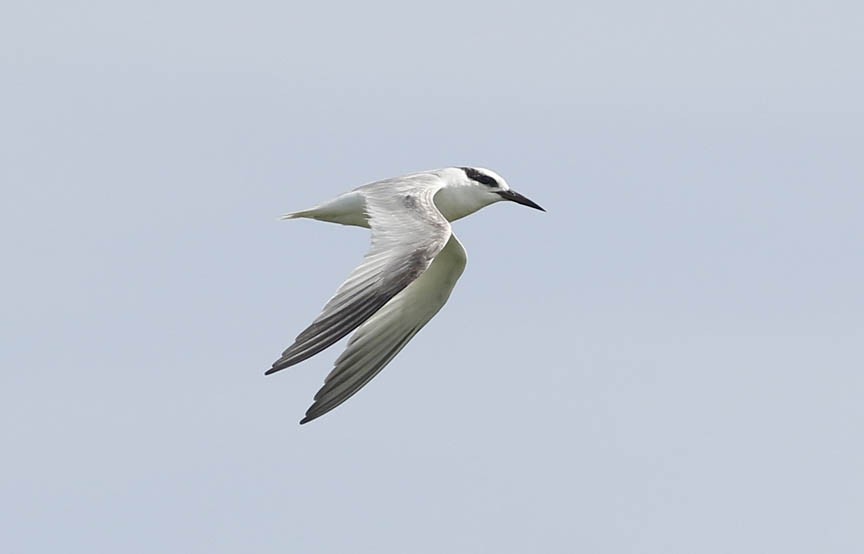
[[404, 279]]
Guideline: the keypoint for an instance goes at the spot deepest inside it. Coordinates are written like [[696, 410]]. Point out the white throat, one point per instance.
[[456, 201]]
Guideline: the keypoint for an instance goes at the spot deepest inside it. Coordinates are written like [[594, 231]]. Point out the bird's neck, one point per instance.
[[455, 202]]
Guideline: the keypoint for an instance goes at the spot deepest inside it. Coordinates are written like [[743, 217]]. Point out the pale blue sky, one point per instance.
[[668, 361]]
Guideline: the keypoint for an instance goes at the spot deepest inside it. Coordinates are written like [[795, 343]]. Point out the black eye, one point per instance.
[[482, 178]]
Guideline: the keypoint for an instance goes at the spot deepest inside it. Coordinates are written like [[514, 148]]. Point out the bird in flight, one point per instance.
[[405, 278]]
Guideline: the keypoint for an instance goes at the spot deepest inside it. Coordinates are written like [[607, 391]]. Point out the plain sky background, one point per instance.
[[668, 361]]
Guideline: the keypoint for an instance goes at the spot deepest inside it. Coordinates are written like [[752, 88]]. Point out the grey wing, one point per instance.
[[407, 233], [378, 340]]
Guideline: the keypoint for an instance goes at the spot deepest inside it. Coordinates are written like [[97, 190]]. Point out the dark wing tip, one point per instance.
[[311, 415], [281, 364]]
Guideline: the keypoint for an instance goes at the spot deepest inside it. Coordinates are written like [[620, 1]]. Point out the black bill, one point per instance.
[[514, 196]]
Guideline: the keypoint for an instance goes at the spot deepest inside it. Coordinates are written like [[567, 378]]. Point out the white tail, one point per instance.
[[294, 215], [348, 209]]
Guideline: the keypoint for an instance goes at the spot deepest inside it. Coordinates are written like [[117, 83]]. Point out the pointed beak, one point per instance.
[[514, 196]]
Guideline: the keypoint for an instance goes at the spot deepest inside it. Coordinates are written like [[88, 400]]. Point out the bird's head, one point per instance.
[[471, 188]]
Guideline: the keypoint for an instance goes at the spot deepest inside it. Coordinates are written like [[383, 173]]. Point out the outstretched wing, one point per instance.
[[408, 232], [378, 340]]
